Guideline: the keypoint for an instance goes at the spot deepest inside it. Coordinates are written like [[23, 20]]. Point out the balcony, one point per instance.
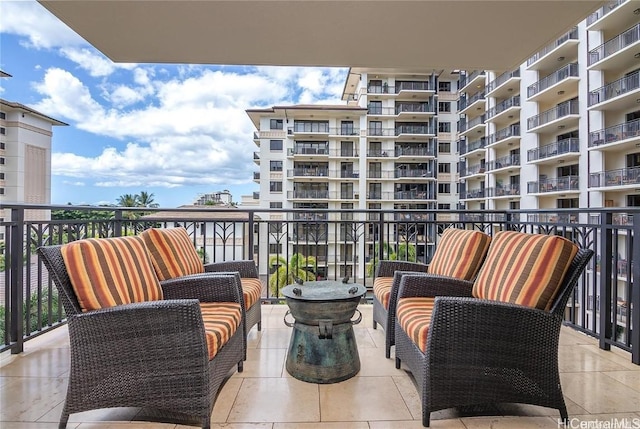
[[562, 184], [508, 161], [506, 136], [474, 194], [472, 103], [616, 52], [563, 115], [621, 178], [473, 170], [621, 136], [603, 11], [505, 84], [309, 151], [256, 138], [554, 151], [346, 131], [416, 150], [322, 172], [415, 195], [414, 173], [504, 111], [256, 176], [419, 110], [565, 46], [476, 124], [617, 95], [411, 129], [351, 152], [308, 194], [381, 132], [473, 80], [472, 146], [256, 158], [564, 80], [504, 191]]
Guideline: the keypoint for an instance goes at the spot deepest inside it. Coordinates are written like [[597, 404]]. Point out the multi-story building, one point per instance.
[[25, 156]]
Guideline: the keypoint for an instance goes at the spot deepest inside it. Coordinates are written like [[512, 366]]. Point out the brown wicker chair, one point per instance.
[[481, 352], [150, 354]]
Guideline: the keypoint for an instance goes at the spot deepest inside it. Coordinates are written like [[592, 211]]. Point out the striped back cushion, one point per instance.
[[110, 271], [459, 253], [382, 290], [525, 269], [172, 252]]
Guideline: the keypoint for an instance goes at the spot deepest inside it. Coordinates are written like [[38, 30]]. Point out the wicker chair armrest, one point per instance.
[[387, 268], [489, 331], [430, 285], [246, 268], [136, 337], [206, 287]]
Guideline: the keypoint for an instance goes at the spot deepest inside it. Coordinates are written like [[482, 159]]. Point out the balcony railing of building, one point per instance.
[[569, 35], [311, 171], [416, 150], [616, 177], [474, 194], [415, 195], [464, 102], [256, 156], [615, 44], [502, 79], [615, 133], [570, 145], [344, 152], [377, 153], [314, 150], [473, 145], [310, 127], [503, 162], [504, 133], [414, 108], [414, 172], [413, 129], [470, 170], [465, 78], [381, 132], [504, 191], [379, 174], [467, 125], [553, 78], [256, 175], [309, 194], [344, 174], [559, 184], [256, 136], [344, 131], [30, 300], [603, 11], [504, 105], [561, 110], [412, 86], [614, 89]]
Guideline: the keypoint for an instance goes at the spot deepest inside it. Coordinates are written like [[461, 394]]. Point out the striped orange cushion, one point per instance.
[[221, 321], [251, 290], [110, 271], [414, 317], [382, 290], [172, 252], [525, 269], [459, 253]]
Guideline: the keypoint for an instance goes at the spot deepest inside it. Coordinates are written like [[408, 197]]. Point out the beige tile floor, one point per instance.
[[599, 386]]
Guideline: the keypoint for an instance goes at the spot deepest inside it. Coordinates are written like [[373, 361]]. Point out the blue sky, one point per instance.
[[176, 131]]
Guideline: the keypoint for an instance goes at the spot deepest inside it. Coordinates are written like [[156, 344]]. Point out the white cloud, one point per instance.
[[38, 25], [124, 96], [94, 62], [71, 183]]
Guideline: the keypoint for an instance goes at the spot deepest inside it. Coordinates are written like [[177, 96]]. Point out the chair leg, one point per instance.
[[398, 363], [260, 325], [64, 418], [387, 352], [375, 325], [240, 366], [564, 415], [206, 423], [425, 418]]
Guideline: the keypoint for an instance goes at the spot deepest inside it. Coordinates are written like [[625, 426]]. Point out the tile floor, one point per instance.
[[599, 386]]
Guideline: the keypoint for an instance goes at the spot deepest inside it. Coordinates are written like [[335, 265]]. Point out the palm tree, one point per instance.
[[405, 252], [128, 200], [145, 199], [285, 274]]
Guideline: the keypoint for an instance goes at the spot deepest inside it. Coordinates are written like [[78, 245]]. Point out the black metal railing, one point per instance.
[[504, 133], [615, 44], [503, 105], [604, 304], [616, 177], [559, 184], [570, 145], [570, 70], [563, 109], [569, 35], [504, 77], [619, 87], [615, 133]]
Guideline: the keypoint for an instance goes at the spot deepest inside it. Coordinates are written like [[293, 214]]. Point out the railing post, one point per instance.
[[16, 257], [117, 223], [634, 307], [606, 250], [251, 235]]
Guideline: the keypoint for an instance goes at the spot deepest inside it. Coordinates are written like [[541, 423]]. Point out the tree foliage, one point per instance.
[[284, 274]]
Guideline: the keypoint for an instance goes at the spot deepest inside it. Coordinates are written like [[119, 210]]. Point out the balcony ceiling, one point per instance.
[[432, 34]]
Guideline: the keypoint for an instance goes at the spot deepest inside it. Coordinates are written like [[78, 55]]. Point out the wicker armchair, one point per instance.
[[152, 354], [479, 352]]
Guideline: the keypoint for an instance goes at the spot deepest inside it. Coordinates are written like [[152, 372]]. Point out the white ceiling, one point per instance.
[[432, 34]]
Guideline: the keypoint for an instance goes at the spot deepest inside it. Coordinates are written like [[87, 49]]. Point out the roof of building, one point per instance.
[[20, 106]]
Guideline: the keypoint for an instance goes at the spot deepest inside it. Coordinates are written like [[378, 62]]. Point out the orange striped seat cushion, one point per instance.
[[107, 272], [172, 252], [251, 290], [382, 290], [414, 317], [525, 269], [221, 321], [459, 253]]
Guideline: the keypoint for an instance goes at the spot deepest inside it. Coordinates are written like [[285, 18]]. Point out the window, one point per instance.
[[444, 206], [375, 107], [444, 127], [275, 205], [275, 186], [3, 115], [2, 146], [1, 176], [275, 248], [444, 86], [3, 131], [568, 170], [444, 106], [444, 147], [275, 165], [1, 161], [275, 145], [346, 128], [375, 128], [444, 167], [444, 188], [275, 124]]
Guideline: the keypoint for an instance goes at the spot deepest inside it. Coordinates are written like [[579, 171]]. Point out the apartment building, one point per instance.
[[25, 156]]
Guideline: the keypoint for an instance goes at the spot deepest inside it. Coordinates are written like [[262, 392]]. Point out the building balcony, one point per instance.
[[474, 194], [321, 172], [256, 158], [474, 125], [620, 94], [617, 52], [507, 136], [417, 110], [552, 153], [564, 184], [344, 131], [506, 191], [344, 153], [381, 132], [472, 170], [421, 89], [344, 174], [309, 151], [472, 103], [621, 179], [256, 138], [407, 131], [401, 173], [565, 46], [308, 194], [562, 81], [562, 116], [475, 80], [416, 150], [623, 136], [508, 83], [256, 176], [504, 111], [472, 146], [605, 11], [509, 161], [415, 195]]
